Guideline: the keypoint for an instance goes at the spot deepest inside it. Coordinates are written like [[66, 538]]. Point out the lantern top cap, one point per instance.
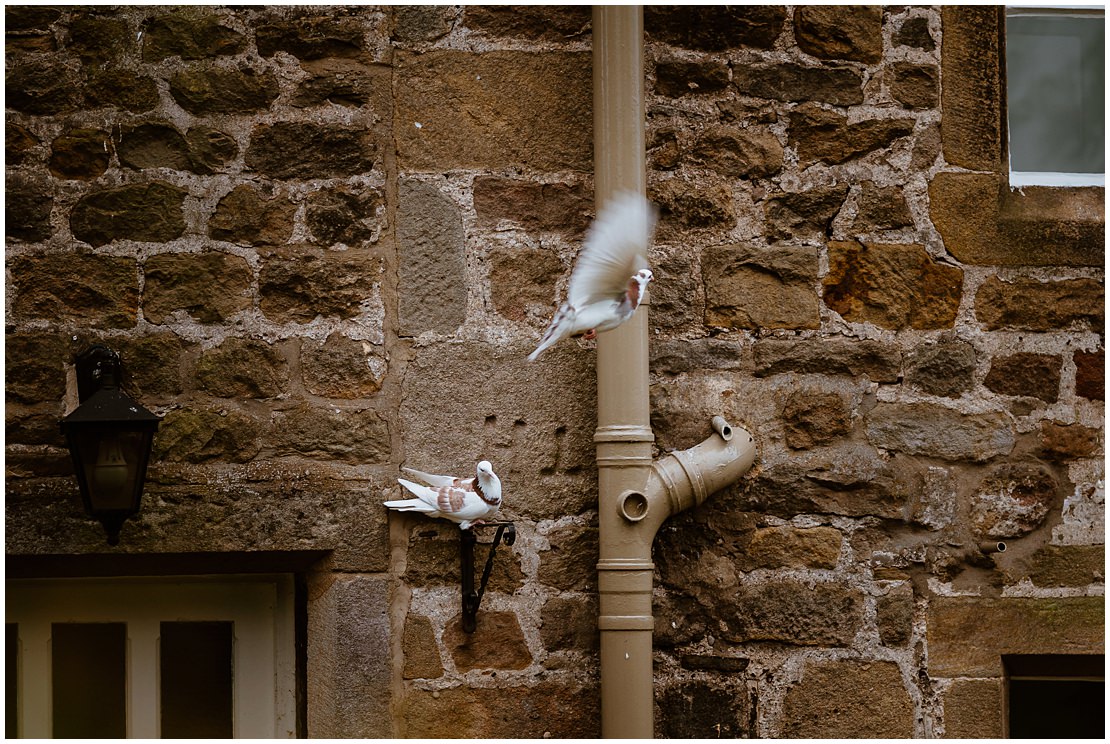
[[110, 405]]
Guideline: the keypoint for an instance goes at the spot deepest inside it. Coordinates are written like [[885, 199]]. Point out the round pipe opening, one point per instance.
[[633, 506], [722, 427]]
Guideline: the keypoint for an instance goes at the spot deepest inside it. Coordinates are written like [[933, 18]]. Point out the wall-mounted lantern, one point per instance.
[[110, 437]]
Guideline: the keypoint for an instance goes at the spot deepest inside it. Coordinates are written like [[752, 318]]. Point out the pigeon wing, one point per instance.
[[615, 249], [441, 481]]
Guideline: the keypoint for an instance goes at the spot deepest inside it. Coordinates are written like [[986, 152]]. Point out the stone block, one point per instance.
[[1090, 374], [915, 86], [676, 356], [881, 208], [738, 152], [914, 32], [833, 356], [686, 206], [676, 297], [848, 699], [98, 39], [206, 91], [191, 34], [199, 435], [541, 446], [35, 426], [341, 367], [537, 207], [715, 28], [344, 82], [496, 643], [209, 149], [894, 615], [701, 709], [1033, 305], [1013, 499], [310, 37], [792, 547], [522, 283], [1062, 442], [838, 32], [937, 431], [153, 365], [210, 287], [754, 287], [34, 367], [463, 110], [418, 644], [19, 143], [28, 203], [804, 216], [298, 284], [45, 86], [80, 154], [571, 562], [967, 636], [838, 86], [1027, 374], [892, 286], [433, 554], [416, 23], [1060, 565], [152, 146], [431, 253], [791, 612], [88, 290], [302, 150], [823, 136], [570, 624], [971, 125], [549, 709], [243, 368], [945, 367], [975, 709], [149, 212], [252, 215], [812, 418], [356, 436], [551, 23], [122, 88], [677, 77]]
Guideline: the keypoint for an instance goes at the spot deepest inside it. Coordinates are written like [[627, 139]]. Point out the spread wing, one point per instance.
[[615, 249]]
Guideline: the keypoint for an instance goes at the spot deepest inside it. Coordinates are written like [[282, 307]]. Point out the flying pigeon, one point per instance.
[[465, 501], [611, 274]]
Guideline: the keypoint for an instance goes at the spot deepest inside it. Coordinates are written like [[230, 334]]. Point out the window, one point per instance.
[[1055, 696], [1055, 98], [145, 658]]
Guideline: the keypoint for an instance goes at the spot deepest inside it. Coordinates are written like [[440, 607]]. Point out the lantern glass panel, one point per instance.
[[113, 466]]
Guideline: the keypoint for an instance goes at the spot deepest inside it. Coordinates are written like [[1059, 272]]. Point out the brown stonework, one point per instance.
[[753, 287], [537, 207], [28, 202], [1032, 305], [80, 154], [352, 434], [715, 29], [824, 614], [788, 547], [569, 624], [915, 86], [203, 92], [210, 287], [206, 435], [832, 32], [554, 709], [431, 252], [881, 208], [522, 283], [835, 356], [894, 615], [1034, 375], [804, 216], [122, 88], [1012, 499], [149, 212], [1061, 565], [189, 33], [249, 215], [738, 152], [1090, 374], [974, 709], [299, 284], [938, 431], [34, 367], [421, 651], [677, 77], [341, 367], [309, 36], [1059, 441], [701, 709], [854, 711], [534, 22], [496, 643], [838, 86], [295, 150], [94, 291], [242, 368], [812, 418]]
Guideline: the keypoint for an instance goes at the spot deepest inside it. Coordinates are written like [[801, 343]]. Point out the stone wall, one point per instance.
[[325, 238]]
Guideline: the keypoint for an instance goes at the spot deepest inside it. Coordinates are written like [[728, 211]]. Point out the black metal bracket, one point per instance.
[[467, 539]]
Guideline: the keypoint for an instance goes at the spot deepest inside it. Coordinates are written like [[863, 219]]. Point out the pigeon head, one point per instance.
[[643, 276], [485, 468]]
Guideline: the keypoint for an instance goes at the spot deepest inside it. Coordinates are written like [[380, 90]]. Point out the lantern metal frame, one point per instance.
[[110, 437]]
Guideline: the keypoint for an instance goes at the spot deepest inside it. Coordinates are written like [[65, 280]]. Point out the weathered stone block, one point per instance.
[[34, 367], [124, 89], [974, 709], [839, 86], [967, 636], [685, 206], [791, 547], [812, 418], [29, 18], [433, 554], [825, 136], [344, 82], [752, 287], [250, 215], [195, 435], [548, 709], [715, 28], [19, 143], [1033, 305], [971, 125], [894, 615], [1061, 565], [522, 283], [571, 562], [1061, 442], [189, 33], [93, 291], [418, 644], [788, 611], [209, 149], [677, 77], [1090, 374], [676, 356], [914, 32], [945, 367], [535, 22], [209, 286], [881, 208], [42, 87], [243, 368], [804, 216], [741, 153], [496, 643], [98, 39], [700, 709], [153, 365], [1033, 375], [28, 202], [915, 86], [310, 37], [147, 211], [870, 701], [352, 435], [570, 624], [1013, 499], [677, 295], [839, 32], [341, 367], [892, 286], [463, 110], [937, 431], [833, 356], [537, 207], [431, 253], [152, 146], [298, 284], [206, 91], [80, 154], [416, 23], [298, 150]]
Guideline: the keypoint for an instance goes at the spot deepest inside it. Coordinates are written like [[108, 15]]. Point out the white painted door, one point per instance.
[[180, 657]]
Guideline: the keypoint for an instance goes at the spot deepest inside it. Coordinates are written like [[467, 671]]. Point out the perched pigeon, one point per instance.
[[611, 274], [465, 501]]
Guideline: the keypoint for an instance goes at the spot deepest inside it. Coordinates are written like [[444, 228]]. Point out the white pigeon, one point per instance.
[[462, 500], [611, 273]]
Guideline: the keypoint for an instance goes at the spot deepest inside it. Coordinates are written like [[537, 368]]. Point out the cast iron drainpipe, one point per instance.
[[635, 495]]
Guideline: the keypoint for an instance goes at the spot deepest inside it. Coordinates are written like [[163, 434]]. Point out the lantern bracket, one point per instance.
[[471, 598]]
